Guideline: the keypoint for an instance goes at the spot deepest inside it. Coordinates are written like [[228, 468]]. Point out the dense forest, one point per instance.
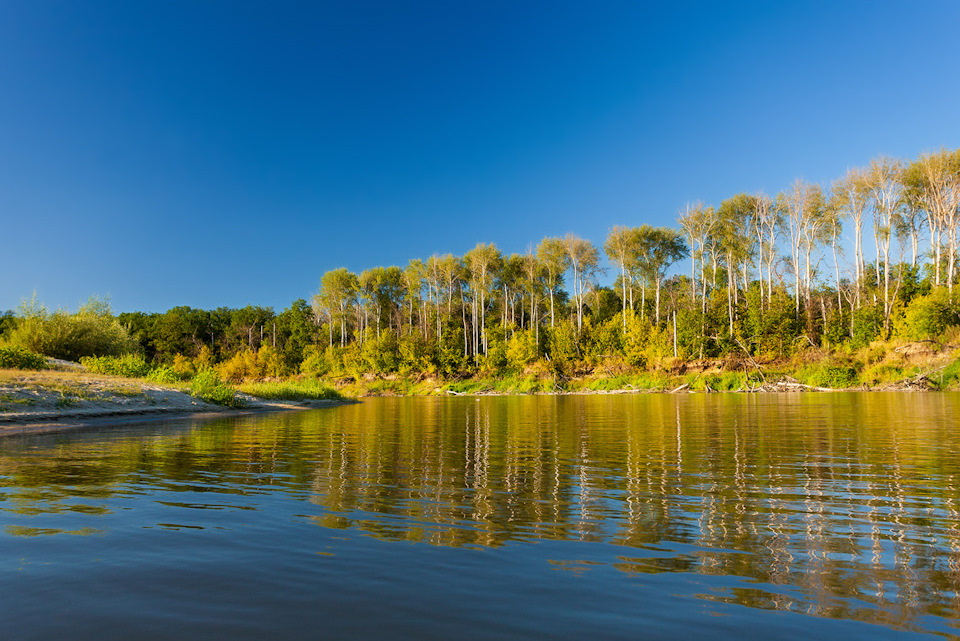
[[871, 257]]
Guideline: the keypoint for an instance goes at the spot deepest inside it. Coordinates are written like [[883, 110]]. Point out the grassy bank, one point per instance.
[[879, 366]]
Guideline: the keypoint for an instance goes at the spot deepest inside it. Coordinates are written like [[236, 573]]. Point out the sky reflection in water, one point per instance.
[[614, 515]]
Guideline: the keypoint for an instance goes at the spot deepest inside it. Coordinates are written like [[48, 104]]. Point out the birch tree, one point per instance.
[[621, 248], [886, 187], [552, 253], [851, 195], [481, 261], [583, 261]]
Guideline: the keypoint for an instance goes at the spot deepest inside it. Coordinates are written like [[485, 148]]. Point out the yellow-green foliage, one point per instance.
[[608, 337], [950, 375], [416, 354], [292, 390], [252, 366], [644, 344], [91, 331], [164, 375], [208, 385], [522, 349], [203, 360], [315, 361], [19, 358], [183, 367], [829, 375], [130, 365], [651, 381], [720, 382], [563, 343], [927, 317]]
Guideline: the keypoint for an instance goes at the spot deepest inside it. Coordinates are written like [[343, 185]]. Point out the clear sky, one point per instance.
[[229, 153]]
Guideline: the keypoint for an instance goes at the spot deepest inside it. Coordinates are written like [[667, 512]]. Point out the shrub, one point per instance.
[[92, 331], [315, 362], [182, 367], [867, 325], [832, 376], [563, 343], [927, 316], [250, 366], [129, 365], [208, 385], [164, 375], [416, 354], [950, 375], [522, 349], [19, 358]]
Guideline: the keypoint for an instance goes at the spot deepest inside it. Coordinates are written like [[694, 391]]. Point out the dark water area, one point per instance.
[[608, 517]]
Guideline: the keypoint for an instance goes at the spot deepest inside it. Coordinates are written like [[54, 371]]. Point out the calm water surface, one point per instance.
[[605, 517]]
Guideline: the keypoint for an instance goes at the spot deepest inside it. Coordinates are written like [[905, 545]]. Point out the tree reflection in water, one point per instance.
[[840, 505]]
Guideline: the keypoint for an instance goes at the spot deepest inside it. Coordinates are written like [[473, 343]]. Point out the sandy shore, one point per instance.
[[40, 402]]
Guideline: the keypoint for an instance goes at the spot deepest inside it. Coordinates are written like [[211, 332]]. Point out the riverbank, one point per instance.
[[53, 401], [913, 366]]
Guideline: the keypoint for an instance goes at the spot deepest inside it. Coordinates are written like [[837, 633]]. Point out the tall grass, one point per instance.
[[208, 386], [292, 391]]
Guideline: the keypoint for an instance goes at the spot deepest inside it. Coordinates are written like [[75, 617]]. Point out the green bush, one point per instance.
[[867, 326], [832, 376], [208, 386], [91, 331], [19, 358], [129, 365], [950, 375], [315, 361], [165, 375], [927, 316]]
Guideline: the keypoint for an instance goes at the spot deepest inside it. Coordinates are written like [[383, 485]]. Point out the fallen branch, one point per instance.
[[750, 358]]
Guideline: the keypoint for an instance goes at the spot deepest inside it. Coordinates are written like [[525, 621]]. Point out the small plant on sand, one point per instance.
[[208, 386]]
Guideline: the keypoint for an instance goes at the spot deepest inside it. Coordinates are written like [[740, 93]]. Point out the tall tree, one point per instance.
[[736, 240], [584, 261], [552, 253], [851, 195], [698, 222], [667, 248], [338, 291], [886, 189], [533, 273], [933, 181], [801, 205], [621, 248], [481, 261]]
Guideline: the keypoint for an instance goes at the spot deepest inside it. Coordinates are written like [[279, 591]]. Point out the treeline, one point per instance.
[[768, 276]]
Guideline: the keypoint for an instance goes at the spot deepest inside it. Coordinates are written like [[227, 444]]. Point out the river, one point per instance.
[[609, 517]]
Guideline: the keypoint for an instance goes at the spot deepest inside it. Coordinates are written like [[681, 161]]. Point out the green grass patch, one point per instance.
[[165, 375], [828, 375], [949, 376], [9, 403], [129, 365], [20, 358], [312, 390], [208, 386], [883, 373]]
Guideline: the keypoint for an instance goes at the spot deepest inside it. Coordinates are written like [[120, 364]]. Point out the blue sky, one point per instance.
[[225, 153]]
